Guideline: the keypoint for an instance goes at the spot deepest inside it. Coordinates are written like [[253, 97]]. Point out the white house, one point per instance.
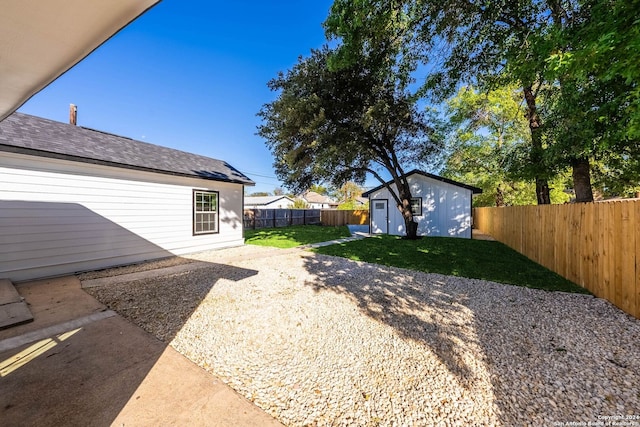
[[442, 207], [75, 199], [268, 202], [318, 201]]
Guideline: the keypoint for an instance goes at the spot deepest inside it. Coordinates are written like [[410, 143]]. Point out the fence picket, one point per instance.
[[334, 217], [637, 252], [627, 258]]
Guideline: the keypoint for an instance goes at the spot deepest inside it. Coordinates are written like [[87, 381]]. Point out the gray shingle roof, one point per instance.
[[32, 135]]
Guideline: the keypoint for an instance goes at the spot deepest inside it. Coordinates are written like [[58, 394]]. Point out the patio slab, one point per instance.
[[81, 364]]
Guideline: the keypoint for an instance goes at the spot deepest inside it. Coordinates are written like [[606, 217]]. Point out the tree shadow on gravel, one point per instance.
[[548, 356], [399, 301]]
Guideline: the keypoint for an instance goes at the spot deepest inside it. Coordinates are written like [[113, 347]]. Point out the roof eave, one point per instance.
[[51, 155], [474, 190], [40, 41]]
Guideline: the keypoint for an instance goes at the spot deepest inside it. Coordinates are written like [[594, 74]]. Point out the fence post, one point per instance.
[[304, 217]]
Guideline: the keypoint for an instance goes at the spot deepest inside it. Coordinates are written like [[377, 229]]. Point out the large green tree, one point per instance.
[[487, 129], [459, 41], [338, 125], [594, 111], [575, 61], [486, 143]]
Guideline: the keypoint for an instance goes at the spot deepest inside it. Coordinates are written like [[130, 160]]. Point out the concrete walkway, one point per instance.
[[357, 232], [79, 363]]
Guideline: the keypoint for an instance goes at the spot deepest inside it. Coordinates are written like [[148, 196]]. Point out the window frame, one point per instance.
[[419, 199], [195, 212]]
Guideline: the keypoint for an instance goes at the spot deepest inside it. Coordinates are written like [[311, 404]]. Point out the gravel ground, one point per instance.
[[319, 340]]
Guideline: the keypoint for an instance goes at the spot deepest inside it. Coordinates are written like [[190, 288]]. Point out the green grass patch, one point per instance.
[[477, 259], [289, 237]]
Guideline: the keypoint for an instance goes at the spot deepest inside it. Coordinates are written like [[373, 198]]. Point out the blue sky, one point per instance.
[[191, 75]]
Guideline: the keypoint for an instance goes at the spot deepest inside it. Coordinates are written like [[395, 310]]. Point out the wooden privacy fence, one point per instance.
[[334, 217], [596, 245], [262, 218]]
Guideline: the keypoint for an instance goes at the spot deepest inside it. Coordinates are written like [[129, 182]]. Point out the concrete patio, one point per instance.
[[79, 363]]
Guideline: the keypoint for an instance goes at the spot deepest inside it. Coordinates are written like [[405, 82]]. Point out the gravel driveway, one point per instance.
[[319, 340]]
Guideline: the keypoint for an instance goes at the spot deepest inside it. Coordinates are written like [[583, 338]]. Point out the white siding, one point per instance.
[[59, 217], [446, 208]]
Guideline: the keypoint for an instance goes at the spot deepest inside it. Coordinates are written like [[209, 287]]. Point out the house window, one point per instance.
[[416, 206], [205, 212]]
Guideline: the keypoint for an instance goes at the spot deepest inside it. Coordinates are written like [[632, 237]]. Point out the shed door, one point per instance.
[[379, 217]]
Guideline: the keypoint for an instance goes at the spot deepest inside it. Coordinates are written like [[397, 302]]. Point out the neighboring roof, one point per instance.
[[22, 133], [40, 40], [313, 197], [474, 190], [264, 200]]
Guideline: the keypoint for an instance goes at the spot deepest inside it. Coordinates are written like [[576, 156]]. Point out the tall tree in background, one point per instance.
[[493, 43], [320, 189], [489, 135], [595, 111], [349, 192], [488, 128], [459, 41], [338, 125], [348, 196]]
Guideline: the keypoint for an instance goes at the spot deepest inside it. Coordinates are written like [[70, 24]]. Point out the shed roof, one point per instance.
[[474, 190], [26, 134]]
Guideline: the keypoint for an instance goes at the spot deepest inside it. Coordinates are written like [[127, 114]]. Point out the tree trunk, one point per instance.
[[404, 194], [412, 230], [499, 197], [543, 193], [582, 180], [542, 186]]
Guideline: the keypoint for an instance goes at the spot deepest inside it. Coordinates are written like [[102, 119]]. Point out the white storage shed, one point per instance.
[[442, 207], [75, 199]]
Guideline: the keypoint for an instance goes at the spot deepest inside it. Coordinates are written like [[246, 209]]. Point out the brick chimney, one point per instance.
[[73, 114]]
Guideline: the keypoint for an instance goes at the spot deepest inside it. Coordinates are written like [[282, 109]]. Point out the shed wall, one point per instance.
[[60, 217], [446, 208]]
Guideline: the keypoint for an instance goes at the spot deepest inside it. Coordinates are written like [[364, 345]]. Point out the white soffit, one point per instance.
[[41, 39]]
